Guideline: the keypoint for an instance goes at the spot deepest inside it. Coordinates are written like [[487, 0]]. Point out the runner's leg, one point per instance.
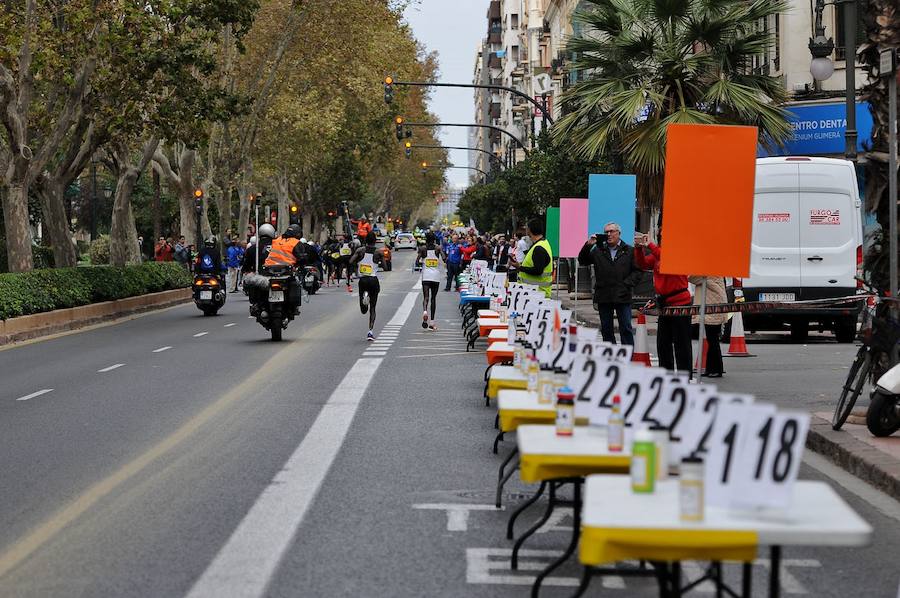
[[373, 290]]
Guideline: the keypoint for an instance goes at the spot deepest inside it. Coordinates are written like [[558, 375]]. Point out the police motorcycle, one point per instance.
[[269, 292], [208, 286]]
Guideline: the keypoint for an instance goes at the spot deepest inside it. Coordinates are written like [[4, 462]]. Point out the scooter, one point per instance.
[[883, 416], [209, 294], [312, 280]]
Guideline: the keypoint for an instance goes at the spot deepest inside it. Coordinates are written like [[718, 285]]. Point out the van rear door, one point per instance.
[[828, 219], [775, 254]]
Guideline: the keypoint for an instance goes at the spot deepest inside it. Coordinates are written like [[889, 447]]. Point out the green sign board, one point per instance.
[[553, 230]]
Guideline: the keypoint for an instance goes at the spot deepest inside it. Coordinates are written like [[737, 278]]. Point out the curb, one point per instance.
[[854, 456], [37, 325]]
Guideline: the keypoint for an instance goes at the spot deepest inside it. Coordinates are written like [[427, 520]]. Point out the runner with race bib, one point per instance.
[[431, 279], [369, 287]]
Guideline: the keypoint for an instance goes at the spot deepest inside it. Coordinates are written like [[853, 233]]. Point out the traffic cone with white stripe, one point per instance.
[[700, 362], [641, 353], [738, 345]]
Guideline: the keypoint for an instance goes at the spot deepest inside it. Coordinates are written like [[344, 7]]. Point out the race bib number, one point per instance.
[[431, 263], [345, 251], [335, 255], [365, 269]]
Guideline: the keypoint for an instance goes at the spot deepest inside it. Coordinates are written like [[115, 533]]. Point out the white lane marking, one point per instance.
[[35, 394], [110, 368], [161, 349], [417, 286], [250, 558], [879, 500], [404, 310], [230, 325], [441, 354], [199, 334]]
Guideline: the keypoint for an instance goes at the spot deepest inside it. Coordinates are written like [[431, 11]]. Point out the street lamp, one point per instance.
[[822, 67]]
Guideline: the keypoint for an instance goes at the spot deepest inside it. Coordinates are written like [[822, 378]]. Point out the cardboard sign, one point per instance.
[[613, 198], [708, 200], [573, 226], [552, 232]]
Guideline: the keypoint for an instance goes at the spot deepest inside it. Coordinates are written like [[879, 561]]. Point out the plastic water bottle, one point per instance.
[[615, 428]]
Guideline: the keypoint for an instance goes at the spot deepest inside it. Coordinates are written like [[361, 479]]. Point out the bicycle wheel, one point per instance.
[[856, 378]]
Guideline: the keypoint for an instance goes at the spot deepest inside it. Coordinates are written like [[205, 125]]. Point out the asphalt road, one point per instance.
[[228, 465]]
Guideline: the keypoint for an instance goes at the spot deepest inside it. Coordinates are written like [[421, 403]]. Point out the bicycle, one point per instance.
[[879, 333]]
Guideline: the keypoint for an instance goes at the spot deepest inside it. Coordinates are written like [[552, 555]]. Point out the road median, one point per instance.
[[64, 320]]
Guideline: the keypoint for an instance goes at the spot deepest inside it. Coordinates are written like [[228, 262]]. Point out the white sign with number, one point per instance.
[[581, 379], [769, 461], [701, 414], [609, 377]]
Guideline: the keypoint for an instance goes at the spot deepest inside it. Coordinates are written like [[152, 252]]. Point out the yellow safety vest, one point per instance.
[[543, 280]]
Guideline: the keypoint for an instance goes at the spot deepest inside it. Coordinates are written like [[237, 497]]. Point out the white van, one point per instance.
[[807, 244]]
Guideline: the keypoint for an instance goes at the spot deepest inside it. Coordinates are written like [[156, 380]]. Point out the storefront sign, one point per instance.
[[818, 130]]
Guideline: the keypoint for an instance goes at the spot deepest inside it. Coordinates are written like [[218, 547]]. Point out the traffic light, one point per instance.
[[388, 90], [399, 122], [408, 150], [424, 167], [295, 214], [198, 201]]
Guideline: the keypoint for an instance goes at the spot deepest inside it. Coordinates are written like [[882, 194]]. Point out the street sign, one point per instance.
[[887, 63], [540, 100], [542, 83]]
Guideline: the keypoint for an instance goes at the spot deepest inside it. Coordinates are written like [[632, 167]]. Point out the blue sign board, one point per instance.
[[612, 198], [818, 130]]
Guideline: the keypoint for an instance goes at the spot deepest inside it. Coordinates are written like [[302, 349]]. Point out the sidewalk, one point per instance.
[[588, 316], [853, 448]]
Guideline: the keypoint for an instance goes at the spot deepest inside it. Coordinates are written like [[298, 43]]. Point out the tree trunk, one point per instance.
[[282, 191], [123, 236], [157, 200], [56, 224], [18, 233], [244, 215], [223, 205]]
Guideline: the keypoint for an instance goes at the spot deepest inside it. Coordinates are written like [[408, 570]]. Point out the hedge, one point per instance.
[[37, 291]]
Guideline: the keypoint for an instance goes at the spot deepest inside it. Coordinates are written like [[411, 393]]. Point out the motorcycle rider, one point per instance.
[[263, 245], [209, 260], [287, 250]]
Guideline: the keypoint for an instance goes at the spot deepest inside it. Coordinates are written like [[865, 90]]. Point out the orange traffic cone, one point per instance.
[[738, 346], [641, 353], [698, 363]]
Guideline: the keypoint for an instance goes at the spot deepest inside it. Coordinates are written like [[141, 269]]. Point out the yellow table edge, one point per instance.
[[495, 386], [539, 468], [600, 546], [511, 419]]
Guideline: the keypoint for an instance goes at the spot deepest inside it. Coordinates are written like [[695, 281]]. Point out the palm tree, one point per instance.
[[643, 64]]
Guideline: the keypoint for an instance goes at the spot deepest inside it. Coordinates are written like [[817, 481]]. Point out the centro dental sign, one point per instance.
[[819, 129]]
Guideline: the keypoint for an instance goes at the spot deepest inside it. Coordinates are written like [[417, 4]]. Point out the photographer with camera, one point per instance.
[[615, 275]]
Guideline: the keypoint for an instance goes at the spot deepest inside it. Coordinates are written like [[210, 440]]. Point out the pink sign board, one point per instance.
[[573, 226]]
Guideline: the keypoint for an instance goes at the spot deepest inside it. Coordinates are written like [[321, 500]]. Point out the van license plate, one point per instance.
[[777, 297], [276, 296], [205, 295]]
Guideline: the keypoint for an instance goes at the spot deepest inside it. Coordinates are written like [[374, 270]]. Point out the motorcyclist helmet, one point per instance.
[[303, 240], [267, 230], [210, 241], [253, 240], [293, 231]]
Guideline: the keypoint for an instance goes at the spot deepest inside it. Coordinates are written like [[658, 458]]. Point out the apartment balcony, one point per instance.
[[494, 61], [495, 110], [494, 12]]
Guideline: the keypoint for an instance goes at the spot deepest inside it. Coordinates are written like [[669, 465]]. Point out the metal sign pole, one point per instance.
[[258, 238], [701, 330], [892, 176], [575, 305]]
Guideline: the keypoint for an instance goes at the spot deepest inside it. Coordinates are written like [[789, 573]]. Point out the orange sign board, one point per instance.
[[708, 200]]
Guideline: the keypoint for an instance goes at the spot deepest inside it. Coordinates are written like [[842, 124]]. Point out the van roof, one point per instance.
[[811, 159]]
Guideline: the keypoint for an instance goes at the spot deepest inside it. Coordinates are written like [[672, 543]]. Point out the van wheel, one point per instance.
[[800, 331], [845, 330]]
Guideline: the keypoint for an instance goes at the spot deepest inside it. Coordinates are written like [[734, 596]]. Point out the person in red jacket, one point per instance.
[[468, 252], [673, 334]]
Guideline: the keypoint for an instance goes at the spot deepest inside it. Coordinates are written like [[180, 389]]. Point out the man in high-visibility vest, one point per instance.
[[287, 250], [537, 267]]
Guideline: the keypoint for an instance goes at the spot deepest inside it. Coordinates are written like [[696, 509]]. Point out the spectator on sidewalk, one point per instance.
[[673, 333], [453, 260], [615, 275], [183, 253], [234, 258], [715, 293], [501, 254], [537, 267], [468, 252], [163, 252]]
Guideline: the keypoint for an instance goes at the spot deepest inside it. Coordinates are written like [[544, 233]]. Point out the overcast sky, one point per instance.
[[454, 29]]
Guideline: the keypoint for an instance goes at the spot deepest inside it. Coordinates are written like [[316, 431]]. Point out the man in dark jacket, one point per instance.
[[615, 275]]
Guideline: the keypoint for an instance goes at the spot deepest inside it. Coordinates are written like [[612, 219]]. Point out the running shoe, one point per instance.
[[370, 337], [349, 289], [424, 319], [432, 327]]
